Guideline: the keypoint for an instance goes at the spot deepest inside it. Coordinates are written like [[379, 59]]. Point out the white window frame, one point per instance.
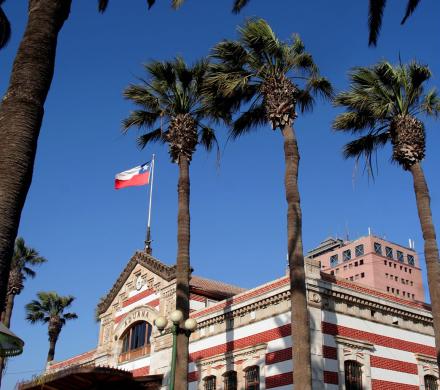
[[359, 351], [426, 365]]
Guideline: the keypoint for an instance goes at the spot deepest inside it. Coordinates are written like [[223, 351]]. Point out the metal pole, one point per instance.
[[148, 238], [173, 356]]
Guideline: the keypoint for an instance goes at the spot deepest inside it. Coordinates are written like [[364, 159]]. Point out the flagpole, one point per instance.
[[148, 248]]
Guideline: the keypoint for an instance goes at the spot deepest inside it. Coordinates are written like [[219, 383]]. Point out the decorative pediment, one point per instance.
[[145, 260]]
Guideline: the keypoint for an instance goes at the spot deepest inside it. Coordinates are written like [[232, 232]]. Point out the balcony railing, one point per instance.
[[134, 353]]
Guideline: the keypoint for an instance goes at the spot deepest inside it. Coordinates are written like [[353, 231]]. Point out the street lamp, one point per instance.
[[10, 344], [189, 326]]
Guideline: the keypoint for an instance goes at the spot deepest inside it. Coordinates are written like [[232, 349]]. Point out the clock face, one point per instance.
[[138, 283]]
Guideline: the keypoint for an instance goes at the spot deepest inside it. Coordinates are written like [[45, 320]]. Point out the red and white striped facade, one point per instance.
[[390, 337]]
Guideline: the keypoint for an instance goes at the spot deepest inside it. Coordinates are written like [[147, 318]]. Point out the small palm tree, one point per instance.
[[384, 102], [375, 13], [171, 110], [22, 260], [271, 79], [49, 309]]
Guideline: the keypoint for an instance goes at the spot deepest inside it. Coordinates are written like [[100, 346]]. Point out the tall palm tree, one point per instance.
[[21, 113], [22, 260], [375, 13], [383, 104], [270, 78], [49, 309], [171, 109]]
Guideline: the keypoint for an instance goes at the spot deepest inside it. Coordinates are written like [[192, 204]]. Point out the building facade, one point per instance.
[[374, 262], [362, 338]]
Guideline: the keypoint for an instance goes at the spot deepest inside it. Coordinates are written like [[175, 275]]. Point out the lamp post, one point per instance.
[[189, 326]]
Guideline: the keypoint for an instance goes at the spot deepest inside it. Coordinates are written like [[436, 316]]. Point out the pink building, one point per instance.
[[373, 262]]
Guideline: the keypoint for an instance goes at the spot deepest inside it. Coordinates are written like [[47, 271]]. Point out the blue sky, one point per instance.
[[88, 231]]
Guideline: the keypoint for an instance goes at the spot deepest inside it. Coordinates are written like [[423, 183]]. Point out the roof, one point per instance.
[[214, 287], [202, 286], [87, 377]]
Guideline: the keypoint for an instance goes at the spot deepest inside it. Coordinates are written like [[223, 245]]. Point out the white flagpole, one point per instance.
[[148, 239]]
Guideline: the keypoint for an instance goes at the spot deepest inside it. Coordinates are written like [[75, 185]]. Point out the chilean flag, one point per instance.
[[137, 176]]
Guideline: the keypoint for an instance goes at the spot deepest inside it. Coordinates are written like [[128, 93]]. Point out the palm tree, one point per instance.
[[383, 103], [270, 78], [21, 113], [171, 109], [23, 258], [375, 13], [49, 309]]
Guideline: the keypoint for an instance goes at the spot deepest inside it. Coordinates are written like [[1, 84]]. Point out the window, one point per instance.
[[388, 288], [409, 270], [351, 278], [333, 260], [386, 276], [389, 252], [345, 267], [332, 272], [252, 377], [353, 375], [406, 269], [359, 250], [430, 382], [378, 248], [136, 341], [410, 259], [209, 382], [412, 283], [363, 275], [399, 255], [355, 263], [350, 266], [230, 380], [361, 262], [385, 262], [346, 255]]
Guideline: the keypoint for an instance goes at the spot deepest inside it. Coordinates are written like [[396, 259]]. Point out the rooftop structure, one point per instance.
[[374, 262]]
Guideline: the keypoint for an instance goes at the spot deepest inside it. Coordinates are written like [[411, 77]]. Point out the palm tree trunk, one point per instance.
[[6, 319], [183, 271], [52, 345], [21, 114], [430, 247], [301, 359], [6, 316]]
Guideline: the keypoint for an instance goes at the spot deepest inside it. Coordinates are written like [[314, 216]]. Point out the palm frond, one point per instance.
[[70, 316], [208, 138], [353, 121], [410, 8], [366, 147], [320, 86], [239, 5], [431, 103], [375, 14], [176, 4], [5, 29], [248, 121], [140, 118], [102, 5], [305, 101], [153, 136]]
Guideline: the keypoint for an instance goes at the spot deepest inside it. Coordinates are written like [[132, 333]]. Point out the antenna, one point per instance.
[[369, 231], [409, 241]]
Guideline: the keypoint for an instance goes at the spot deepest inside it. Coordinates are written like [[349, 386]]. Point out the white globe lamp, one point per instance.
[[191, 324], [176, 316]]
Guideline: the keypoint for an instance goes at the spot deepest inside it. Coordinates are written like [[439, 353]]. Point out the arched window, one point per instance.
[[431, 382], [209, 383], [252, 378], [136, 341], [353, 375], [230, 380]]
